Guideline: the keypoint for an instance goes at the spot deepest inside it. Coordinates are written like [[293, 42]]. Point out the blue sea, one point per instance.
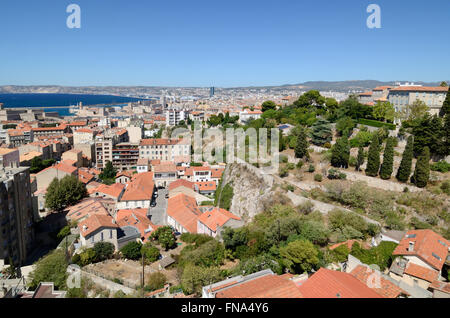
[[43, 100]]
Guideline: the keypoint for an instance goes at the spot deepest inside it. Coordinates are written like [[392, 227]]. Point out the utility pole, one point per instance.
[[143, 275]]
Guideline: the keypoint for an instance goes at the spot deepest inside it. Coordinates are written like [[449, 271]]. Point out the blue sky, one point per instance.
[[221, 43]]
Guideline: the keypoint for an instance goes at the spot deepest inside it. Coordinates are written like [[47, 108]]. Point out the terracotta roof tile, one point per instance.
[[421, 272], [185, 211], [327, 283], [428, 245]]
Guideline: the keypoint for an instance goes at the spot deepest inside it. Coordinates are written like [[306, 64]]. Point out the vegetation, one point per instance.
[[165, 237], [37, 164], [404, 171], [388, 160], [50, 268], [374, 123], [422, 170], [373, 158], [340, 153], [155, 281], [108, 175], [132, 250], [65, 192], [301, 147]]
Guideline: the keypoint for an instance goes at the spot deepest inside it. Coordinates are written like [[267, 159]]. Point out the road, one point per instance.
[[158, 214]]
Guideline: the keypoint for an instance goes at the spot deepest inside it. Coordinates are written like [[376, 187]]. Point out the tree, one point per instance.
[[301, 148], [132, 250], [165, 236], [345, 125], [388, 160], [351, 107], [321, 132], [416, 110], [360, 158], [300, 256], [422, 171], [429, 132], [108, 174], [383, 111], [267, 105], [65, 192], [443, 84], [310, 98], [445, 109], [104, 250], [150, 252], [373, 157], [340, 153], [195, 277], [404, 171], [50, 268]]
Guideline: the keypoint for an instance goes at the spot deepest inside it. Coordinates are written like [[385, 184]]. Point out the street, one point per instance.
[[157, 214]]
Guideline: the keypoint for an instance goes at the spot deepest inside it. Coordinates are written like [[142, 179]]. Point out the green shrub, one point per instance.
[[311, 168], [441, 166], [445, 187], [104, 250], [150, 252], [299, 164], [290, 166], [132, 250], [318, 177], [375, 123], [155, 281]]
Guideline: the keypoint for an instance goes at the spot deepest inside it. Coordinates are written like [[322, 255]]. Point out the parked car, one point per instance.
[[167, 195], [153, 204]]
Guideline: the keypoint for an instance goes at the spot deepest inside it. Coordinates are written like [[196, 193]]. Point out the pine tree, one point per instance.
[[360, 158], [388, 160], [373, 157], [340, 153], [404, 171], [422, 171], [445, 109], [301, 148]]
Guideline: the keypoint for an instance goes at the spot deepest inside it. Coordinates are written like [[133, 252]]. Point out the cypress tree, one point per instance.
[[360, 158], [301, 148], [340, 153], [404, 171], [422, 171], [388, 160], [445, 109], [373, 157]]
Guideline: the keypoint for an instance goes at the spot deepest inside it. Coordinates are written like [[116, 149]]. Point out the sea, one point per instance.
[[43, 100]]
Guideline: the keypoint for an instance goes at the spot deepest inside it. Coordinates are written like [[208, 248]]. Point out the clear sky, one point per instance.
[[221, 42]]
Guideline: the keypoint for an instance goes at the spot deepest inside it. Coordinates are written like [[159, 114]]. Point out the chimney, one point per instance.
[[84, 228], [411, 246]]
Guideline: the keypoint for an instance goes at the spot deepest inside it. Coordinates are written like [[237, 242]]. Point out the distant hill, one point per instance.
[[337, 86]]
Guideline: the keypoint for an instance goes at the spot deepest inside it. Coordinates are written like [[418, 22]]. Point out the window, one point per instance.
[[101, 236], [110, 234], [92, 239]]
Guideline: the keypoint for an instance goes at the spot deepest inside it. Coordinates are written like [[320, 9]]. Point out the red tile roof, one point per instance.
[[327, 283], [181, 183], [419, 89], [113, 190], [136, 218], [185, 211], [444, 287], [140, 188], [84, 176], [217, 217], [268, 286], [206, 186], [386, 289], [95, 222], [428, 245], [421, 272]]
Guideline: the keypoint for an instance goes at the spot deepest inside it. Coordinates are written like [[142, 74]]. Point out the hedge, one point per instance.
[[375, 123]]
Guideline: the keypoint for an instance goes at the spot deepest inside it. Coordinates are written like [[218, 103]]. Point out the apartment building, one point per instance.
[[125, 156], [163, 149], [50, 131], [16, 215], [433, 97], [174, 116], [9, 157]]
